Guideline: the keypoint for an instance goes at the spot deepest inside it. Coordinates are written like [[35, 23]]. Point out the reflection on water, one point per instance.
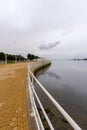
[[52, 74], [67, 82]]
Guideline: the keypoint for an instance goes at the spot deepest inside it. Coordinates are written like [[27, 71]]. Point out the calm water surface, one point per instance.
[[67, 82]]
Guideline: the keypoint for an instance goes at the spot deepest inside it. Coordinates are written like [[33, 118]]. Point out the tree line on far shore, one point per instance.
[[80, 59], [11, 57]]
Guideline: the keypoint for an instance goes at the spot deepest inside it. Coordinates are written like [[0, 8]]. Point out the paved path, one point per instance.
[[13, 106]]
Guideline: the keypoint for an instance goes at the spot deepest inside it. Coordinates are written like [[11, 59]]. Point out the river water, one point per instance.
[[67, 83]]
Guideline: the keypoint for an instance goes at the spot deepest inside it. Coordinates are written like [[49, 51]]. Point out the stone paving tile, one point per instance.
[[13, 107]]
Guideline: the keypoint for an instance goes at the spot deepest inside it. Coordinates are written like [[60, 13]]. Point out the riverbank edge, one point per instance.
[[35, 68], [40, 67]]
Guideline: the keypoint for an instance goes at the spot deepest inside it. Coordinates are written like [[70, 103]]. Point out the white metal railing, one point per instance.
[[33, 93], [34, 108]]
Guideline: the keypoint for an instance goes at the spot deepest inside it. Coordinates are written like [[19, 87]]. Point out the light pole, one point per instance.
[[5, 58], [15, 59], [15, 54], [6, 55]]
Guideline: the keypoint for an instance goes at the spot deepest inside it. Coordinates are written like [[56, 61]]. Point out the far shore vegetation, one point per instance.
[[80, 59]]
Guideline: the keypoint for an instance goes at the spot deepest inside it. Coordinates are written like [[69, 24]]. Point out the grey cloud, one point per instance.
[[49, 45]]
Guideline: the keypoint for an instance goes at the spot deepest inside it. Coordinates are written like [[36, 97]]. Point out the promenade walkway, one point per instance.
[[13, 106]]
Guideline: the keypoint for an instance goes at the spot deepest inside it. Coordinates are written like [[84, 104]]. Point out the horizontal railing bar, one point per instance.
[[62, 111], [49, 123], [35, 111]]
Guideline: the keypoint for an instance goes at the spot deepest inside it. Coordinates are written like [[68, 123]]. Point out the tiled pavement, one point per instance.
[[13, 106]]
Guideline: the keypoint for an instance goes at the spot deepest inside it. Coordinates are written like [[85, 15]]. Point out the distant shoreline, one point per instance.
[[80, 59]]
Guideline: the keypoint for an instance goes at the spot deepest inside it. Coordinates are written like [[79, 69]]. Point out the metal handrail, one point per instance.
[[48, 121], [37, 117], [34, 108], [72, 123]]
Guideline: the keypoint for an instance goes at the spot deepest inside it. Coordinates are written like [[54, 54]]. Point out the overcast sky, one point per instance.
[[35, 26]]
